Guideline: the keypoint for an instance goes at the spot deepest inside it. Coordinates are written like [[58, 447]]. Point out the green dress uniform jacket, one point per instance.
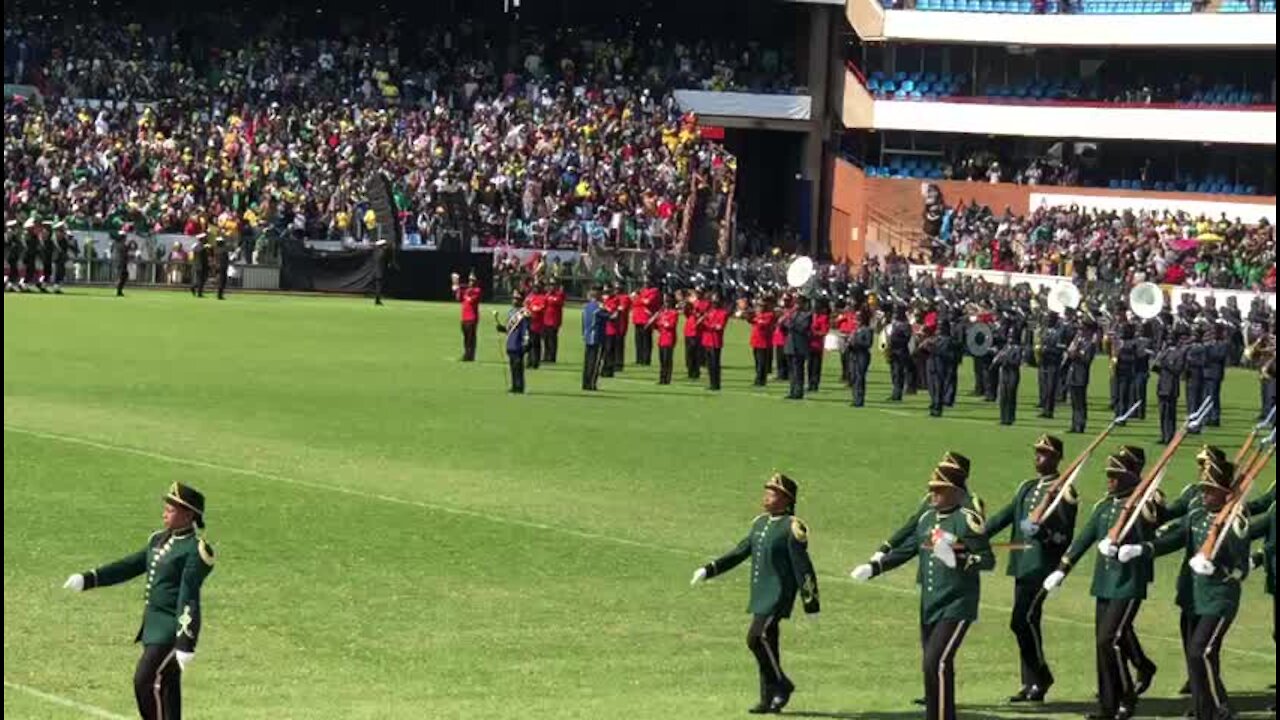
[[907, 532], [176, 564], [778, 546], [1112, 579], [946, 593], [1216, 595], [1035, 557], [1188, 500]]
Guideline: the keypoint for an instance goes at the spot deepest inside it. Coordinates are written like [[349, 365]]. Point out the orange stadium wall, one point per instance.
[[871, 215]]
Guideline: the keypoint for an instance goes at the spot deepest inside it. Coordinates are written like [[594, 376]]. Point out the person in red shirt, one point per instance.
[[611, 330], [846, 326], [713, 325], [786, 308], [763, 326], [692, 335], [469, 295], [667, 321], [536, 306], [817, 336], [624, 321], [552, 319], [647, 302]]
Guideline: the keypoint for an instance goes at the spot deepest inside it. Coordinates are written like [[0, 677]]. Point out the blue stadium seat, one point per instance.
[[908, 85]]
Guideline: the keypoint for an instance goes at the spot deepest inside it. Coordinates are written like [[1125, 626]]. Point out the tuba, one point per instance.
[[1146, 300]]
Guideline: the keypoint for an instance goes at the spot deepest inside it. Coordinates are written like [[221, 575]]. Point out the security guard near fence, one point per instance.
[[1215, 582], [778, 545], [1037, 550], [1119, 588], [176, 561], [950, 541]]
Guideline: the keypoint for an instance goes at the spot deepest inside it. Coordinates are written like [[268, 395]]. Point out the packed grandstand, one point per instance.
[[1062, 139]]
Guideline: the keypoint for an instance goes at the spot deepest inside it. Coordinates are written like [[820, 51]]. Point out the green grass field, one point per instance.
[[398, 537]]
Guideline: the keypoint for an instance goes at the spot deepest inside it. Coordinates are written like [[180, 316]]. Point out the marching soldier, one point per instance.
[[381, 257], [1118, 587], [846, 323], [953, 550], [797, 326], [899, 340], [1008, 361], [1196, 358], [1217, 351], [786, 309], [778, 545], [553, 318], [48, 248], [668, 320], [176, 561], [762, 321], [820, 326], [468, 295], [1169, 365], [859, 352], [713, 325], [1038, 549], [223, 255], [120, 259], [1079, 360], [594, 319], [1050, 359], [1144, 350], [535, 306], [199, 265], [65, 247], [516, 329], [1215, 582]]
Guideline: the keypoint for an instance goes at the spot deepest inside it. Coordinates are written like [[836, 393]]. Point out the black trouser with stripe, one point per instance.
[[1140, 382], [157, 684], [898, 372], [1048, 387], [1028, 605], [762, 641], [1186, 625], [533, 358], [1008, 387], [468, 341], [666, 358], [1113, 620], [644, 345], [693, 357], [590, 366], [941, 642], [815, 369], [1079, 408], [516, 360], [796, 374], [1213, 391], [713, 367], [550, 343], [606, 356], [1168, 418], [761, 356], [122, 276], [1203, 659], [859, 362], [784, 366]]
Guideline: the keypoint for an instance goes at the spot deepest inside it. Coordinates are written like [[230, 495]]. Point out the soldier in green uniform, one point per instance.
[[1037, 552], [1119, 588], [1188, 500], [905, 533], [1215, 586], [176, 561], [951, 543], [778, 545]]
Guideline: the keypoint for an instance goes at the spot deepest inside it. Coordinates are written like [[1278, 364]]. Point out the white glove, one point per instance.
[[1201, 565], [699, 575], [862, 573], [1127, 553], [944, 552], [1107, 548], [184, 659], [877, 557], [1054, 581], [75, 583]]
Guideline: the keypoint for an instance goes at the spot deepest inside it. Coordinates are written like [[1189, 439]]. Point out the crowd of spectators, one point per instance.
[[1113, 247], [558, 139]]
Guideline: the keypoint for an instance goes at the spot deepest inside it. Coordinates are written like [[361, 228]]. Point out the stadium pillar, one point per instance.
[[820, 51]]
